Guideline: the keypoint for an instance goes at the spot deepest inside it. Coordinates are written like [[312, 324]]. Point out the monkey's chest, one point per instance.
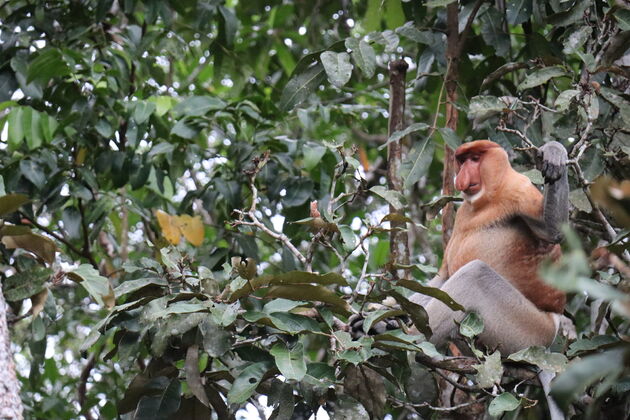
[[509, 250]]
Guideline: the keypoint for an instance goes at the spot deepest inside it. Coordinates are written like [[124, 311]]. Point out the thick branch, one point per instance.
[[399, 241]]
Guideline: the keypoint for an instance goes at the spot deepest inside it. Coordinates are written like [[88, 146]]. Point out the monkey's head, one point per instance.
[[481, 165]]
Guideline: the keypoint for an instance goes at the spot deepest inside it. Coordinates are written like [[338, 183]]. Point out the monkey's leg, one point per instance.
[[511, 321]]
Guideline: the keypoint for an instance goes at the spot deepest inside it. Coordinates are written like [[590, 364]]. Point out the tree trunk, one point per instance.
[[10, 402], [398, 240], [452, 73]]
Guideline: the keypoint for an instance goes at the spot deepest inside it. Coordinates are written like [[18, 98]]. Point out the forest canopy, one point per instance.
[[196, 196]]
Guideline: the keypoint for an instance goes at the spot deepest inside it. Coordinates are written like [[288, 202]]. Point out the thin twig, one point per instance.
[[399, 403], [61, 239], [457, 384], [85, 375], [278, 236], [517, 133]]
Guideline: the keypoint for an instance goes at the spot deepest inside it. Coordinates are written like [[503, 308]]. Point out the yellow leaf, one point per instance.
[[192, 228], [169, 226], [81, 156]]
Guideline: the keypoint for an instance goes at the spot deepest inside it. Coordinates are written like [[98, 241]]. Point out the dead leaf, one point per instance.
[[169, 226], [38, 301], [191, 227], [39, 245]]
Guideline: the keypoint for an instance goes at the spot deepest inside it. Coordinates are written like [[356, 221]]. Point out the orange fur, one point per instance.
[[482, 230]]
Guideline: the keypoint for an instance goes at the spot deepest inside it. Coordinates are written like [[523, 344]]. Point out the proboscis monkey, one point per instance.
[[502, 233]]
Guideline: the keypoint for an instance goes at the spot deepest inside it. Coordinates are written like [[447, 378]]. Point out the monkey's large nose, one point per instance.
[[462, 181]]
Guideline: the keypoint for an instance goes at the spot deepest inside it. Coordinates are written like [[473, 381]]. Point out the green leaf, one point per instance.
[[162, 148], [131, 286], [12, 202], [25, 284], [281, 396], [502, 403], [373, 16], [377, 316], [623, 19], [394, 198], [493, 33], [291, 277], [337, 67], [564, 99], [229, 27], [541, 357], [16, 128], [363, 55], [32, 128], [184, 130], [305, 79], [293, 323], [216, 340], [435, 292], [313, 154], [48, 126], [224, 314], [41, 246], [244, 385], [311, 293], [541, 76], [281, 305], [290, 362], [197, 106], [96, 285], [394, 14], [142, 111], [160, 406], [438, 3], [33, 172], [416, 312], [581, 373], [483, 107], [193, 378], [300, 191], [572, 15], [471, 326], [576, 40], [617, 100], [348, 237], [8, 85], [450, 137], [416, 164], [588, 345], [47, 64], [71, 217], [518, 11], [397, 135], [163, 104], [490, 372]]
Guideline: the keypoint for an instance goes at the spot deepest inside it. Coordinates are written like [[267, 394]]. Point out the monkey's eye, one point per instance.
[[475, 158]]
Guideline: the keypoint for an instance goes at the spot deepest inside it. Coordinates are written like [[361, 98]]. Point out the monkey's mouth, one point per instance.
[[472, 189]]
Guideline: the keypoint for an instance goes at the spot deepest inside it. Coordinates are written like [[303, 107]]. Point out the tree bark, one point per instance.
[[398, 241], [10, 402], [452, 73]]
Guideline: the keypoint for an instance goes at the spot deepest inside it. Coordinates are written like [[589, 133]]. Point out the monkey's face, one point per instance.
[[468, 178], [480, 166]]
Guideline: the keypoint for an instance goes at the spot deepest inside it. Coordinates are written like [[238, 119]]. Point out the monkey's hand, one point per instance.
[[552, 161], [355, 322]]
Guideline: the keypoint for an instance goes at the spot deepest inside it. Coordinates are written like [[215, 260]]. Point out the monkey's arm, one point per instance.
[[553, 165]]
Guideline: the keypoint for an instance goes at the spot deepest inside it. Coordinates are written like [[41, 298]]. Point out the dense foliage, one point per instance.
[[195, 199]]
